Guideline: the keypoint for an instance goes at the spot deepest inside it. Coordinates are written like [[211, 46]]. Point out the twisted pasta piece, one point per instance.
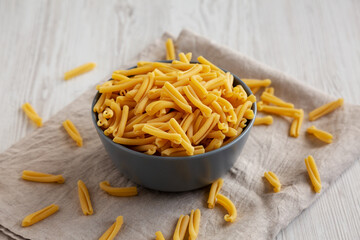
[[313, 173], [229, 206], [325, 109], [296, 124], [181, 227], [79, 70], [270, 98], [253, 83], [289, 112], [273, 180], [119, 192], [159, 236], [214, 190], [170, 50], [268, 120], [73, 132], [113, 230], [39, 215], [84, 198], [30, 112], [194, 224], [320, 134], [42, 177]]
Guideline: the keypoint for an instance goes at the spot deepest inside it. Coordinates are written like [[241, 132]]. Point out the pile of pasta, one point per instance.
[[173, 109]]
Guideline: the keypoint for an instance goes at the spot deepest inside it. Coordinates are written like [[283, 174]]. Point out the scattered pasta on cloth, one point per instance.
[[261, 212]]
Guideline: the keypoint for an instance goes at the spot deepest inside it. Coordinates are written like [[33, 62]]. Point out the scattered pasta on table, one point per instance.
[[42, 177], [31, 113], [39, 215]]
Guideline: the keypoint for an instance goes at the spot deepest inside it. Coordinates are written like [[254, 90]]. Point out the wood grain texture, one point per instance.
[[315, 41]]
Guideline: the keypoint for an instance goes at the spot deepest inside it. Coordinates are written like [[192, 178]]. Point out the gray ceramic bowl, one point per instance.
[[175, 174]]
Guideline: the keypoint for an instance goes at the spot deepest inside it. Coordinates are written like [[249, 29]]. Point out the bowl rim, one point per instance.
[[202, 155]]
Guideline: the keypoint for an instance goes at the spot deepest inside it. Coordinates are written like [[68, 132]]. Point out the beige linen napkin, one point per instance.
[[261, 213]]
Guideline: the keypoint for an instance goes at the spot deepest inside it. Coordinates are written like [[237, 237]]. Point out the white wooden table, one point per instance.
[[315, 42]]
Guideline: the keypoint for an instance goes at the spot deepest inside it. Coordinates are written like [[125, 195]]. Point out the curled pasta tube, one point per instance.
[[39, 215], [185, 142], [214, 190], [73, 132], [325, 109], [270, 98], [320, 134], [273, 180], [268, 120], [229, 206], [30, 112], [183, 58], [149, 149], [296, 125], [249, 114], [313, 173], [289, 112], [253, 83], [174, 137], [181, 227], [42, 177], [202, 60], [113, 230], [119, 192], [159, 236], [194, 224], [79, 70], [189, 56], [170, 50], [84, 198]]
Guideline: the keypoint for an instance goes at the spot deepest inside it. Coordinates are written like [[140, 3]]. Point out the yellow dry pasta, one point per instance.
[[79, 70], [134, 141], [202, 60], [228, 205], [183, 58], [123, 120], [119, 192], [113, 230], [194, 224], [189, 56], [39, 215], [270, 98], [174, 137], [267, 120], [176, 96], [149, 149], [185, 142], [288, 112], [313, 173], [170, 50], [159, 236], [296, 125], [84, 198], [42, 177], [181, 227], [273, 180], [325, 109], [214, 190], [73, 132], [254, 90], [30, 112], [175, 108], [320, 134], [253, 83], [205, 110]]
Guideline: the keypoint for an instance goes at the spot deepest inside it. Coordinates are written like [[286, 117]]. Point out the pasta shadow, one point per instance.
[[175, 174]]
